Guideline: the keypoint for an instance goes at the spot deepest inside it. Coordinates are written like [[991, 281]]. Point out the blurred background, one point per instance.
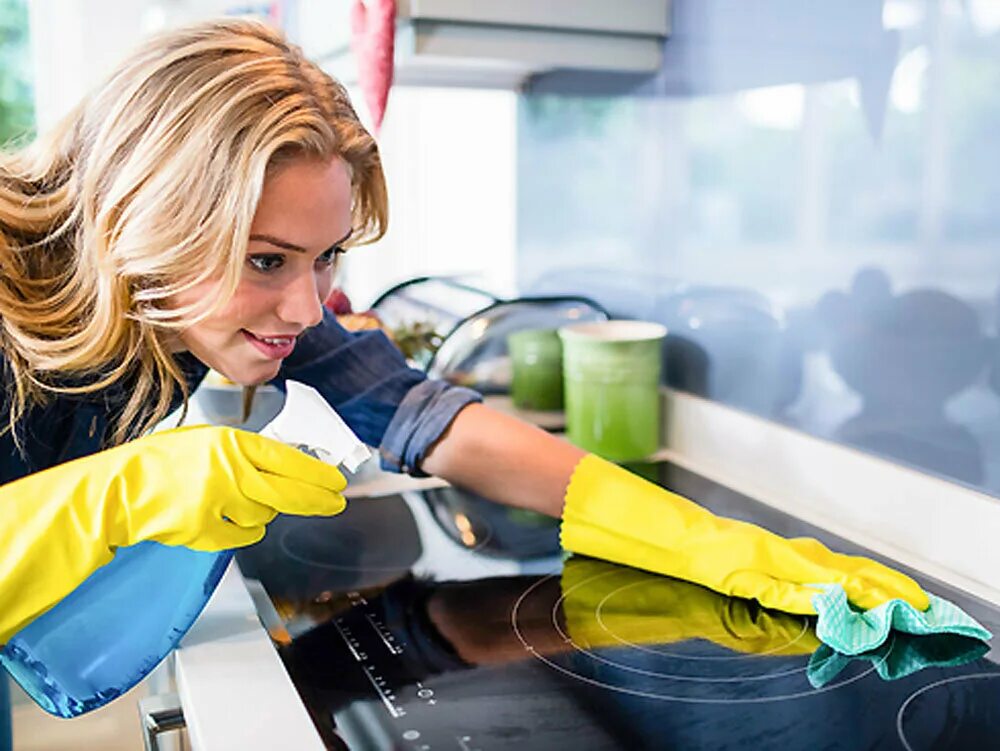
[[804, 194]]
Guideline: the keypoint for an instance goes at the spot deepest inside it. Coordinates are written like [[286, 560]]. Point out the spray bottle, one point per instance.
[[112, 630]]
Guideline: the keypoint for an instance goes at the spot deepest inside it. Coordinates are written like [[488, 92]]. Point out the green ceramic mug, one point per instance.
[[536, 365], [611, 372]]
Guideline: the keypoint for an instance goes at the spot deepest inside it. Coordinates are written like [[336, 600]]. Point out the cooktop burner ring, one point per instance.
[[534, 652], [900, 730]]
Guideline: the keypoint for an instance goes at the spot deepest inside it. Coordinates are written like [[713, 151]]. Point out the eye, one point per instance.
[[329, 257], [265, 262]]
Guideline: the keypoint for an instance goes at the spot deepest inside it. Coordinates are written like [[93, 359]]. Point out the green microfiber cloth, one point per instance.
[[852, 632], [902, 655]]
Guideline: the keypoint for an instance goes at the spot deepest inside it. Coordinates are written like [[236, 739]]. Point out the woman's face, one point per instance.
[[303, 218]]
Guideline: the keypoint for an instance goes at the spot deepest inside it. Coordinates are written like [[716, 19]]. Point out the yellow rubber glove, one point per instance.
[[611, 513], [609, 606], [207, 488]]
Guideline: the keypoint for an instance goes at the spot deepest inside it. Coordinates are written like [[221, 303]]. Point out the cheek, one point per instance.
[[223, 322], [258, 304], [248, 302]]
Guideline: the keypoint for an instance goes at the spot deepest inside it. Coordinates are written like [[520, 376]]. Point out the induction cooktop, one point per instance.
[[440, 620]]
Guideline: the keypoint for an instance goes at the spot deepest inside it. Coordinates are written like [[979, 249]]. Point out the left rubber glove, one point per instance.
[[613, 514], [204, 487]]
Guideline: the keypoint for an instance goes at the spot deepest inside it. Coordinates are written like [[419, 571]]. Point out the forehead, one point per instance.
[[306, 199]]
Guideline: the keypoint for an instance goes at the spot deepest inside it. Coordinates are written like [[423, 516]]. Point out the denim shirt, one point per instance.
[[366, 379], [362, 375]]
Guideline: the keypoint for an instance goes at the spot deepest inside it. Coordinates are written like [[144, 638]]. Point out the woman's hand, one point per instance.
[[613, 514], [212, 488], [208, 488]]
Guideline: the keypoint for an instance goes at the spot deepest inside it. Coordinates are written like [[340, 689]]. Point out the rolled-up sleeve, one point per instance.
[[385, 402]]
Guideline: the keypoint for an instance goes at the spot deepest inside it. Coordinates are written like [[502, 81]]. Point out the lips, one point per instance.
[[272, 346]]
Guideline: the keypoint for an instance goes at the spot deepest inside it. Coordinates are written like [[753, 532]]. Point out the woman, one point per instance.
[[189, 215]]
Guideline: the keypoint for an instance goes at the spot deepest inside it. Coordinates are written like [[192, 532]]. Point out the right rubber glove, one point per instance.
[[613, 514], [208, 488]]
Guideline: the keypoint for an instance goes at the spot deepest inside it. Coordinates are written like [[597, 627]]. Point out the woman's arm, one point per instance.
[[504, 459], [617, 516]]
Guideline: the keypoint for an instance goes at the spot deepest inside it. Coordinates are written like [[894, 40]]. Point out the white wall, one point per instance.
[[72, 46], [75, 43], [449, 158]]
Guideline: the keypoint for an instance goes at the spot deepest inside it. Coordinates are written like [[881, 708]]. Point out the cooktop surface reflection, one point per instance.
[[440, 620]]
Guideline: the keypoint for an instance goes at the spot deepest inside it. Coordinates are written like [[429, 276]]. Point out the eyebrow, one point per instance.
[[284, 244]]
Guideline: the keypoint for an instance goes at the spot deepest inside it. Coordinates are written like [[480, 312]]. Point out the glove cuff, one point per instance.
[[613, 514]]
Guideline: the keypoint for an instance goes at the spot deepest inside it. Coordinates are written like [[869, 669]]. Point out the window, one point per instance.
[[17, 112]]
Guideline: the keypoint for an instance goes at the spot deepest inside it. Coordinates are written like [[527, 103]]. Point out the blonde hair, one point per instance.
[[148, 188]]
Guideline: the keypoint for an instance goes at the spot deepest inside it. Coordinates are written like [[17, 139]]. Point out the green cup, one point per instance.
[[611, 372], [536, 364]]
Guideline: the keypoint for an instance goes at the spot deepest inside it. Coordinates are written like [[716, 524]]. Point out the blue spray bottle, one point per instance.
[[112, 630]]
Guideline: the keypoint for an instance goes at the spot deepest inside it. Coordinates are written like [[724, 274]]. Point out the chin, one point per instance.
[[257, 380], [251, 375]]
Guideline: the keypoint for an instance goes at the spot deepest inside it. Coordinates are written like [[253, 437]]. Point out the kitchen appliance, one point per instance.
[[422, 311], [440, 620], [458, 332], [496, 45]]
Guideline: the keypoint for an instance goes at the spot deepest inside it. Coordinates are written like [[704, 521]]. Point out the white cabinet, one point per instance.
[[496, 44]]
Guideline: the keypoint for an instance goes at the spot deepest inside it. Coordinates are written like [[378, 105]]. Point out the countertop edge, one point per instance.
[[233, 686]]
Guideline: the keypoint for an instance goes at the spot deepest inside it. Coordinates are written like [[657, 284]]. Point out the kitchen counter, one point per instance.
[[233, 683], [233, 687], [237, 691], [355, 592]]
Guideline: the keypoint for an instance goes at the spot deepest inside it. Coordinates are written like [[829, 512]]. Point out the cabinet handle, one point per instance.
[[159, 714]]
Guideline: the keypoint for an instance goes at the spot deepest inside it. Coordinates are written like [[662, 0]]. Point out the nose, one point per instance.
[[300, 303]]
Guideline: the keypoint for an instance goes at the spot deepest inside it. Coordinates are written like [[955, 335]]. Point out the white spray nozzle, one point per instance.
[[308, 422]]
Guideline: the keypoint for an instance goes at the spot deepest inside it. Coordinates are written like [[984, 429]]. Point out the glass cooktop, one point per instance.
[[440, 620]]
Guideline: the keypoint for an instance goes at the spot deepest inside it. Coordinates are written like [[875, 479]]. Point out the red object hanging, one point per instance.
[[373, 28]]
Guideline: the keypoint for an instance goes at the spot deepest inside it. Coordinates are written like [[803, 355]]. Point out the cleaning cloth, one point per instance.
[[901, 655], [852, 632]]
